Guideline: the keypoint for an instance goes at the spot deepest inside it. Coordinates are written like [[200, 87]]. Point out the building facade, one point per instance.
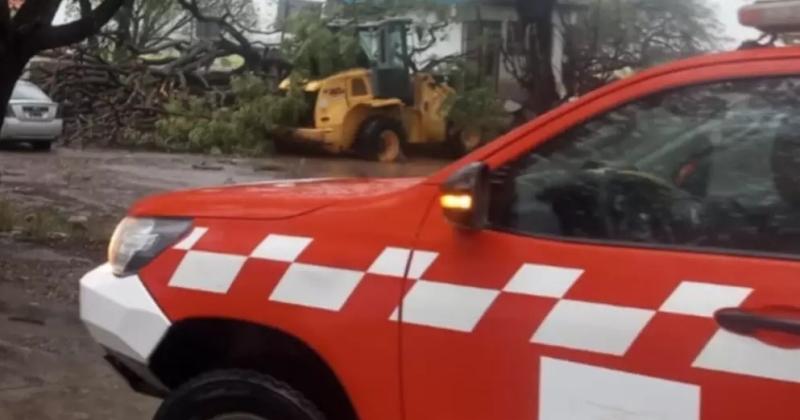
[[490, 34]]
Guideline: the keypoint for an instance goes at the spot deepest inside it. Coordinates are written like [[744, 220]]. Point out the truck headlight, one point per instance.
[[137, 241]]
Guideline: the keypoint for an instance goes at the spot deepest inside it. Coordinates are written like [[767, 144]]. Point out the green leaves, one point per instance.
[[474, 106], [316, 51], [242, 124]]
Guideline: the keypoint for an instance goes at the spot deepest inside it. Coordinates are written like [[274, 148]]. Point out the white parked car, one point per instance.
[[32, 117]]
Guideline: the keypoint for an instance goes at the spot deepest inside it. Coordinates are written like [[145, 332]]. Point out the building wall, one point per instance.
[[494, 14], [453, 40], [449, 42], [508, 87]]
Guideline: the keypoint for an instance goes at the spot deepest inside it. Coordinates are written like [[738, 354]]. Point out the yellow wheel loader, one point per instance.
[[377, 112]]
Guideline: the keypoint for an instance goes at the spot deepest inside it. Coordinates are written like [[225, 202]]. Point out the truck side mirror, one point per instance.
[[465, 197]]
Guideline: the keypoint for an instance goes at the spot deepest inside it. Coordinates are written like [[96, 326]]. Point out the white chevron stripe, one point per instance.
[[393, 261], [543, 280], [703, 299], [572, 391], [207, 271], [727, 352], [587, 326], [191, 239], [281, 248], [316, 286], [592, 326], [444, 305]]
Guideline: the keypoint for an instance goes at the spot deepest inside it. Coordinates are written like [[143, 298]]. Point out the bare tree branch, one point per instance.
[[50, 37], [5, 16], [432, 38], [434, 62], [32, 12], [239, 44]]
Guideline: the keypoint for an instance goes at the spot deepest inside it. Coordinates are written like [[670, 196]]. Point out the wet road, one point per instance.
[[49, 368]]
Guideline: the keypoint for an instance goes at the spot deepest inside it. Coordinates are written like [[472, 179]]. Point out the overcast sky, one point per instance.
[[728, 15]]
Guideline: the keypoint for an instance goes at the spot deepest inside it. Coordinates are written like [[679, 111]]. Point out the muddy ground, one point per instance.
[[59, 210]]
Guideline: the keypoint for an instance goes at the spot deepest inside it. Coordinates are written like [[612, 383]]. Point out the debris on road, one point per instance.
[[205, 166], [79, 222], [52, 231]]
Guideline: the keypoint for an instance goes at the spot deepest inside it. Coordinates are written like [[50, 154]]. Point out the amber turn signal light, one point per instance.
[[456, 202]]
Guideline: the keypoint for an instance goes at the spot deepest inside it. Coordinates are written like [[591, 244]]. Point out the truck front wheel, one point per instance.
[[382, 139], [236, 395]]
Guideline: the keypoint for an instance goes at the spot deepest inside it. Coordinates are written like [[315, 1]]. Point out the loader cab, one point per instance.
[[386, 47]]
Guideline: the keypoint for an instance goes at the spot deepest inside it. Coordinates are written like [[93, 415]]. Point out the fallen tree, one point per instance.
[[101, 100], [117, 85], [177, 97], [117, 101]]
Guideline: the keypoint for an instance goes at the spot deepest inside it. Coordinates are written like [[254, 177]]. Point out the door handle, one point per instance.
[[744, 322]]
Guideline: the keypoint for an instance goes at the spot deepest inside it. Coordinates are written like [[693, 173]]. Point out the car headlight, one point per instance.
[[137, 241]]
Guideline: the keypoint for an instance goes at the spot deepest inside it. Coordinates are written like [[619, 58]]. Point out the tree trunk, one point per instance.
[[546, 96], [29, 31], [124, 20], [85, 7], [537, 17]]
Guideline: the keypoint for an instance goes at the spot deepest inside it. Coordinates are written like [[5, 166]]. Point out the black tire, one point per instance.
[[370, 141], [217, 394], [42, 146]]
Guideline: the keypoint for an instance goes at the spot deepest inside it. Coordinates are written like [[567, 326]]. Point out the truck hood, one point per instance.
[[267, 200]]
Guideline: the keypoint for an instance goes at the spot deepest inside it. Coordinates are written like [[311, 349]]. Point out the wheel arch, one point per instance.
[[361, 113], [198, 345]]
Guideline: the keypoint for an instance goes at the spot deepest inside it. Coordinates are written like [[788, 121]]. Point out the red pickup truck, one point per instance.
[[633, 254]]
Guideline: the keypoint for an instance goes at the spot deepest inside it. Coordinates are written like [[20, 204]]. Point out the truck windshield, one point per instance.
[[370, 43]]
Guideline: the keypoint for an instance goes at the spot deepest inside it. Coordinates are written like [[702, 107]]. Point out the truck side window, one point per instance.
[[708, 166], [358, 87]]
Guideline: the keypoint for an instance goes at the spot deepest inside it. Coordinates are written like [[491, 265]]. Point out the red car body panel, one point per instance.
[[493, 370], [267, 200], [441, 368], [349, 235]]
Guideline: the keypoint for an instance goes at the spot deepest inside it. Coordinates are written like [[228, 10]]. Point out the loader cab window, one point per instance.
[[396, 48], [385, 45], [358, 87], [703, 167], [370, 45]]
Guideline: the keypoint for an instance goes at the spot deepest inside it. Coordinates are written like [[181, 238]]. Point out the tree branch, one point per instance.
[[239, 44], [432, 63], [49, 37], [431, 32], [5, 17], [192, 7], [31, 11]]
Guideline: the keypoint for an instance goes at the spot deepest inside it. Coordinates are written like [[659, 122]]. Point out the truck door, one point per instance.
[[640, 262]]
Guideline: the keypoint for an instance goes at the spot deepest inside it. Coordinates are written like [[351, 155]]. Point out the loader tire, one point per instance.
[[236, 395], [381, 139]]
